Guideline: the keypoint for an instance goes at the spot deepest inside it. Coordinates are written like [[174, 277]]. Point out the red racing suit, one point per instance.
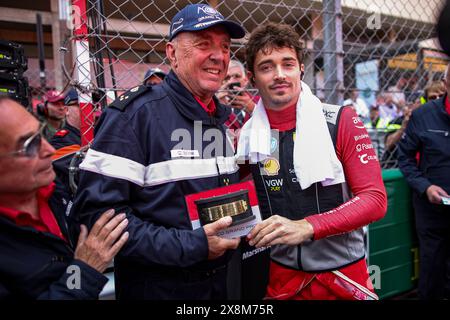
[[332, 265]]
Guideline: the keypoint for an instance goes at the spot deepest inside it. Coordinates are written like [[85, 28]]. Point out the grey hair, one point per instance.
[[237, 63], [174, 41]]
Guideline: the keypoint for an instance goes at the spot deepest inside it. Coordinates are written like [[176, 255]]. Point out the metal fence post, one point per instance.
[[333, 51], [83, 66]]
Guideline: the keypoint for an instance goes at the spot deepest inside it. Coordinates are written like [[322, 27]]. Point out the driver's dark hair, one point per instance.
[[269, 36]]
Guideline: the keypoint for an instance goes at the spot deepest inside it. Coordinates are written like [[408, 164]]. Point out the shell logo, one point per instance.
[[271, 166]]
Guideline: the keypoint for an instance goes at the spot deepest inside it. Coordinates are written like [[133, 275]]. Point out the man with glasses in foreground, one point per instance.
[[38, 258]]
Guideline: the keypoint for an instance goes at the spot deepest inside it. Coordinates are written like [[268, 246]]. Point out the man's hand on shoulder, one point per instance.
[[106, 238]]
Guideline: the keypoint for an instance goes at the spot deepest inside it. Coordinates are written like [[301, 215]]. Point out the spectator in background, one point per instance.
[[53, 112], [395, 131], [428, 133], [154, 76], [375, 120], [388, 110], [379, 99], [358, 104], [398, 94], [38, 256], [69, 135], [433, 91], [67, 142], [233, 93]]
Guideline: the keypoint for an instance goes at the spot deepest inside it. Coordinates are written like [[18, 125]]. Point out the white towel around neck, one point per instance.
[[314, 155]]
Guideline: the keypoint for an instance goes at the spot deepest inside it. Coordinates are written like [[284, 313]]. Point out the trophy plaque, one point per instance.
[[235, 204]]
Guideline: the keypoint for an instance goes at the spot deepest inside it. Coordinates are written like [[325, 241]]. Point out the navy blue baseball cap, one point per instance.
[[71, 97], [196, 17]]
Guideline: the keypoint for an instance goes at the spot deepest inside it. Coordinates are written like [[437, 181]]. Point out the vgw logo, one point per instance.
[[374, 20]]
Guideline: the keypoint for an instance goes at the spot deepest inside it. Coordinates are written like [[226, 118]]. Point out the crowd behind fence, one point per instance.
[[374, 46]]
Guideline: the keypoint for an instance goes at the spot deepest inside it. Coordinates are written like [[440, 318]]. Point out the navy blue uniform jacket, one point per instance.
[[152, 147], [34, 265]]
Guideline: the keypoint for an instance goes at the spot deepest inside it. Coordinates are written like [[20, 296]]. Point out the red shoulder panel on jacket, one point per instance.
[[61, 133]]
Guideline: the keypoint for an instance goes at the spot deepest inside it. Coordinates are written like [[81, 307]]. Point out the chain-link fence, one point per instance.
[[384, 49]]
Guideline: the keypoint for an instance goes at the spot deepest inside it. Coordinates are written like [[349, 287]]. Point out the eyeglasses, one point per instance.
[[31, 146], [435, 97]]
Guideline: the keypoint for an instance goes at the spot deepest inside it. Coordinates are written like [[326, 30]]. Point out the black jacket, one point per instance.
[[67, 142], [428, 133], [70, 137], [134, 166], [34, 265]]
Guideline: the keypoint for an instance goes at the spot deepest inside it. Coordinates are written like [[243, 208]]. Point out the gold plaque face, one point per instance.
[[235, 205], [226, 209]]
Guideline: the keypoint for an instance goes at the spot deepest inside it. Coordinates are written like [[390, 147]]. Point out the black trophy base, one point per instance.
[[239, 220]]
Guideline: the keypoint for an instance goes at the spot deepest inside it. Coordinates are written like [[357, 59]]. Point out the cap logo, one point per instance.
[[207, 10], [196, 17], [175, 23], [203, 24]]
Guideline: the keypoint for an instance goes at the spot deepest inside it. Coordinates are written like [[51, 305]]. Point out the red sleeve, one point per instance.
[[363, 175]]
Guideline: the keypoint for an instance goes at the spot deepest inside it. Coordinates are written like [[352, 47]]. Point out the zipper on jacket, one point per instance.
[[317, 198]]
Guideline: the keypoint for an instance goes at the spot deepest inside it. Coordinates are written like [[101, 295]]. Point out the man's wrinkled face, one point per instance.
[[57, 110], [200, 59], [19, 173], [277, 77]]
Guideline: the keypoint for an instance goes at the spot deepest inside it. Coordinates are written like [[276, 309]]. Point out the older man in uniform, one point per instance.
[[138, 164]]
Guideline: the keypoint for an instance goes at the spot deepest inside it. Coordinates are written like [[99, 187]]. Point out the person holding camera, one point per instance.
[[234, 93]]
